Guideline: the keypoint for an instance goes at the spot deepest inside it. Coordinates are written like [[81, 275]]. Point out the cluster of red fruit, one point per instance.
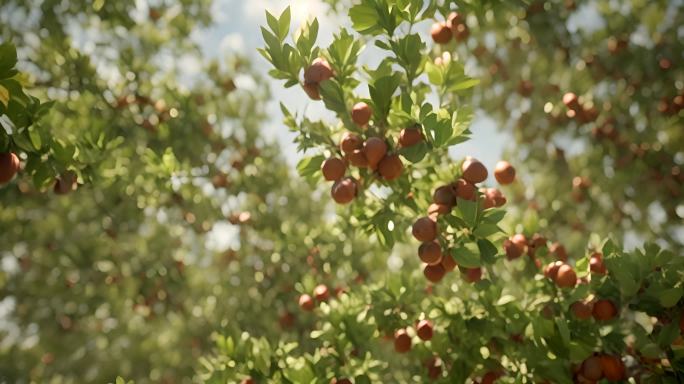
[[600, 366], [443, 200], [454, 27], [320, 294], [373, 153], [578, 110]]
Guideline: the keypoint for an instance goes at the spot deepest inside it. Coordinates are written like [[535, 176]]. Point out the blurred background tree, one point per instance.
[[151, 212]]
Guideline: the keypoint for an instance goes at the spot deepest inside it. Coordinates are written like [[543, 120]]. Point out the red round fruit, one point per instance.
[[570, 100], [424, 229], [504, 173], [474, 171], [560, 252], [430, 253], [444, 195], [65, 183], [361, 113], [613, 368], [591, 368], [448, 262], [582, 309], [434, 210], [333, 169], [441, 33], [350, 142], [306, 302], [596, 264], [9, 166], [340, 381], [390, 167], [410, 136], [286, 320], [402, 341], [454, 19], [434, 273], [343, 191], [464, 190], [319, 70], [492, 197], [375, 149], [248, 380], [321, 292], [471, 275], [312, 91], [551, 270], [604, 310], [515, 246], [424, 330], [566, 276], [357, 158]]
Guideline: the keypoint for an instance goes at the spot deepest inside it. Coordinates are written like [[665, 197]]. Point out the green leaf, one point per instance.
[[8, 59], [468, 211], [487, 251], [414, 153], [284, 24], [34, 136], [466, 257], [333, 97], [309, 165], [4, 95], [439, 129], [381, 91], [669, 297], [563, 329], [579, 350]]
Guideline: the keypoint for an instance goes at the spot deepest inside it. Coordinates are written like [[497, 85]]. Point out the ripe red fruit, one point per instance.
[[350, 142], [560, 252], [461, 32], [430, 252], [311, 90], [454, 19], [448, 262], [504, 173], [435, 210], [375, 149], [410, 136], [441, 33], [357, 158], [434, 273], [596, 264], [566, 276], [65, 183], [343, 191], [306, 302], [319, 70], [444, 195], [321, 292], [570, 100], [515, 246], [604, 310], [424, 330], [434, 367], [613, 368], [582, 309], [591, 368], [340, 381], [464, 190], [248, 380], [9, 166], [492, 197], [474, 171], [361, 113], [471, 275], [286, 320], [424, 229], [490, 377], [333, 169], [551, 270], [390, 167], [402, 341]]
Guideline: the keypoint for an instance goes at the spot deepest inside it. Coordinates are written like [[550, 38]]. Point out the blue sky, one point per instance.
[[236, 29]]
